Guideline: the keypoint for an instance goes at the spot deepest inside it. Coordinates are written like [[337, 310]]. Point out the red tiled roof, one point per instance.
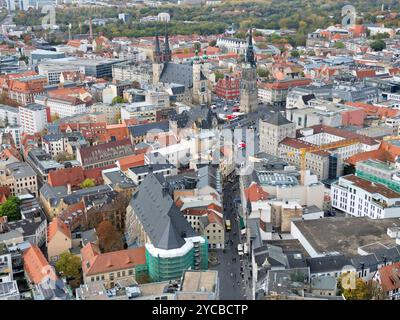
[[106, 151], [286, 84], [372, 187], [95, 173], [369, 109], [56, 225], [255, 193], [36, 266], [299, 144], [94, 262], [343, 134], [131, 161], [63, 177], [390, 277]]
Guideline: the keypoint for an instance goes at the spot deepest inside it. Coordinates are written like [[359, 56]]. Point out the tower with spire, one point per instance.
[[248, 84], [160, 57], [201, 93]]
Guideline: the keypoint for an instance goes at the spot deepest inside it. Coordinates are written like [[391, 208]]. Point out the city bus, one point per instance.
[[228, 225]]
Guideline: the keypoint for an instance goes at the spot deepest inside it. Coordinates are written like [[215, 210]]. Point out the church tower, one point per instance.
[[158, 63], [201, 93], [248, 84], [161, 57]]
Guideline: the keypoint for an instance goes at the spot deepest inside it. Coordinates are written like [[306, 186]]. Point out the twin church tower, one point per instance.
[[196, 76]]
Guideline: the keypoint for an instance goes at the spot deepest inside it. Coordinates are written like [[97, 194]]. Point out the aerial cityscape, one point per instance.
[[199, 150]]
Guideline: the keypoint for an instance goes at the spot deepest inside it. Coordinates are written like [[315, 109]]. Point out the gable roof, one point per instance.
[[276, 118], [255, 193], [177, 73], [161, 219], [106, 151], [94, 262], [63, 177], [36, 266], [56, 225], [390, 277]]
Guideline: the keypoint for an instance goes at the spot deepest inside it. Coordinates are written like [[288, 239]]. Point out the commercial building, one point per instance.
[[228, 88], [359, 197], [139, 72], [379, 172]]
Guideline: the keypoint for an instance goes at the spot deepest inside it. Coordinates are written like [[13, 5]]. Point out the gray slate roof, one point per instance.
[[177, 73], [161, 219]]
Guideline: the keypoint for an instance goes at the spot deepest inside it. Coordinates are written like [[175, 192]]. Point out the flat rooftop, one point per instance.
[[345, 235], [199, 281]]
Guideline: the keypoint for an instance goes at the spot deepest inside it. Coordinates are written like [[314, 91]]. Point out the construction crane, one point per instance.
[[329, 146]]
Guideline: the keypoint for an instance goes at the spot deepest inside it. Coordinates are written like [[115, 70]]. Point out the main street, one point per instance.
[[229, 262]]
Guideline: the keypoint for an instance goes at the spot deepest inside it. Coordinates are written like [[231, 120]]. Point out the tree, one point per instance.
[[212, 43], [263, 73], [378, 45], [362, 291], [117, 99], [87, 183], [69, 265], [11, 209], [339, 45], [295, 54], [218, 75], [110, 239], [63, 156], [54, 117]]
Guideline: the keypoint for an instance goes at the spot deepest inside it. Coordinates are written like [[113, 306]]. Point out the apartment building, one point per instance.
[[62, 106], [9, 115], [359, 197], [19, 176], [273, 129], [24, 90], [34, 117], [112, 267]]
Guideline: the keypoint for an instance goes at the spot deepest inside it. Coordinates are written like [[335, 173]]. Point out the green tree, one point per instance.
[[87, 183], [218, 75], [117, 99], [263, 73], [378, 45], [295, 54], [212, 43], [11, 209], [69, 265], [339, 45]]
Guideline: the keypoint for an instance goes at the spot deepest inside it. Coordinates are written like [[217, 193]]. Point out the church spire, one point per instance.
[[250, 50], [157, 50], [167, 50]]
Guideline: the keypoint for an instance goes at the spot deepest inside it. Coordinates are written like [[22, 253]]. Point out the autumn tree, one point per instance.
[[63, 156], [87, 183], [110, 239], [362, 290]]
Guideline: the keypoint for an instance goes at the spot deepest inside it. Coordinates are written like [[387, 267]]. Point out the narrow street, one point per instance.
[[229, 267]]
